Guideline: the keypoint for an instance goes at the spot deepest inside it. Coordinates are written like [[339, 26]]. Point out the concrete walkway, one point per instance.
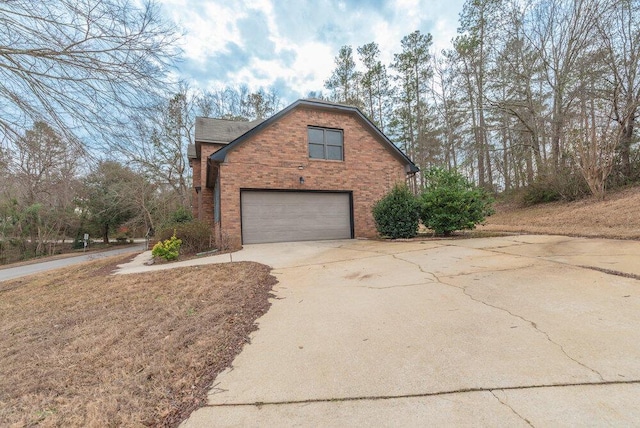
[[510, 331]]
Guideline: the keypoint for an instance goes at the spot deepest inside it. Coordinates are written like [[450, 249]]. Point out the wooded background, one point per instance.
[[538, 92], [537, 96]]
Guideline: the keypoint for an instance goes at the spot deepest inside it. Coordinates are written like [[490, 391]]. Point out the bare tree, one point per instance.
[[159, 145], [237, 103], [80, 66], [474, 46], [621, 36], [562, 33], [594, 143], [518, 76], [42, 187], [262, 104]]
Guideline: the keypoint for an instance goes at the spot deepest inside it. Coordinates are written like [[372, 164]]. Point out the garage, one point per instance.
[[283, 216]]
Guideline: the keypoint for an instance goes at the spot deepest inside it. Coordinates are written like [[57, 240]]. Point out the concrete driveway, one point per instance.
[[509, 331]]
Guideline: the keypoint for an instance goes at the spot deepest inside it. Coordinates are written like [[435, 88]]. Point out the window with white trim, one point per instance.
[[325, 143]]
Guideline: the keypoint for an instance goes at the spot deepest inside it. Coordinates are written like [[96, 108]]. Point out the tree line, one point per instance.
[[93, 130], [52, 191], [533, 93]]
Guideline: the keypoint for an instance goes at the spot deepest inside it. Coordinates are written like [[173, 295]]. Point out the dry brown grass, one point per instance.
[[615, 217], [83, 348]]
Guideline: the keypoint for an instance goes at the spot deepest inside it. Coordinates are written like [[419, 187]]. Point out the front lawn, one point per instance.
[[81, 347]]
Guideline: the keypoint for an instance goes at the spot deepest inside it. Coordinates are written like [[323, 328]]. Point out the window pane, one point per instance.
[[316, 151], [334, 152], [334, 137], [316, 136]]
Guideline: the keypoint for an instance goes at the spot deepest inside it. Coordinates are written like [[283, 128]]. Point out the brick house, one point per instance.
[[312, 171]]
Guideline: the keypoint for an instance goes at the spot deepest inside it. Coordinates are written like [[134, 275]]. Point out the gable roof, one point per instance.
[[209, 130], [221, 154]]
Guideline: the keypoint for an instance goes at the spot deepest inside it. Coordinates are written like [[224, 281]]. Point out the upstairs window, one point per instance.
[[325, 143]]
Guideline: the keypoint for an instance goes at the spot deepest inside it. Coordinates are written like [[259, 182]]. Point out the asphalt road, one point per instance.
[[17, 272]]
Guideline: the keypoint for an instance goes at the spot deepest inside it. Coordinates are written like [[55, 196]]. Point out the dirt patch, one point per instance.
[[615, 217], [83, 348]]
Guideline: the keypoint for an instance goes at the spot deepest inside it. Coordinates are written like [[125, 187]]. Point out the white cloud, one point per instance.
[[313, 30], [209, 26], [312, 66]]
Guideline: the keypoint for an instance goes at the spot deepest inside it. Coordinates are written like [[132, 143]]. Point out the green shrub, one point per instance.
[[168, 249], [397, 214], [195, 236], [181, 215], [450, 202], [78, 243]]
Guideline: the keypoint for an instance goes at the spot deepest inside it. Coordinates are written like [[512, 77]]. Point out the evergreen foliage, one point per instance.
[[450, 202], [397, 214]]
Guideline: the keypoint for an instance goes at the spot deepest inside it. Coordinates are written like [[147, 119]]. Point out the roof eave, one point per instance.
[[206, 140], [218, 156], [221, 154]]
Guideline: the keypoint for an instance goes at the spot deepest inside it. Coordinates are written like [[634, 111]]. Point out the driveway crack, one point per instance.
[[322, 263], [433, 275], [442, 393], [612, 272], [551, 259], [491, 271], [530, 322], [512, 409], [416, 284]]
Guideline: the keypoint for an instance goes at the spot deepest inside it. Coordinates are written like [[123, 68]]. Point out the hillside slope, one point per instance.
[[618, 216]]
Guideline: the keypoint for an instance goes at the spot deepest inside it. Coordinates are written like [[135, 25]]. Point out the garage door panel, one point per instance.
[[294, 216]]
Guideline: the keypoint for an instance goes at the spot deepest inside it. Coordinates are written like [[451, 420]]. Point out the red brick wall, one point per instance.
[[195, 166], [205, 199], [270, 160]]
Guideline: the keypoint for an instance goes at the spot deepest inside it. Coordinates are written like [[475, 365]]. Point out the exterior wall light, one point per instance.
[[301, 180]]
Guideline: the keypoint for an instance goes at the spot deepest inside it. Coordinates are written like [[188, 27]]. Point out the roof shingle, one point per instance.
[[209, 130]]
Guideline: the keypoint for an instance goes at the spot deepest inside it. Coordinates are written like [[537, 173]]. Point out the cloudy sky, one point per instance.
[[290, 45]]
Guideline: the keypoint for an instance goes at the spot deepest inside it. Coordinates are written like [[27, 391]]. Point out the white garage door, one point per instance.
[[294, 216]]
